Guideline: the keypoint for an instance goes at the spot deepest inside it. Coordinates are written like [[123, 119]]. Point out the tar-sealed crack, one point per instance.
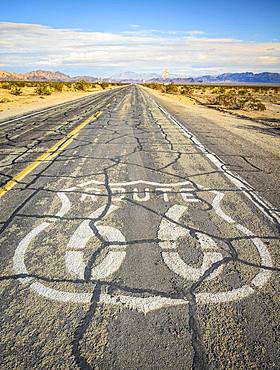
[[82, 328]]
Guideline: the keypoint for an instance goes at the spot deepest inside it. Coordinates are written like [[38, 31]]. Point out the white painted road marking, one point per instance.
[[167, 231], [138, 194], [263, 205], [113, 259]]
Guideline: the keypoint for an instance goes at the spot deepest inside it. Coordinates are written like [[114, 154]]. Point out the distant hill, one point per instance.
[[43, 76], [133, 77], [264, 77], [85, 78], [246, 77]]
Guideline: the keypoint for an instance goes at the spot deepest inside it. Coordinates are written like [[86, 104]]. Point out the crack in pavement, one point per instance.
[[81, 329], [134, 142]]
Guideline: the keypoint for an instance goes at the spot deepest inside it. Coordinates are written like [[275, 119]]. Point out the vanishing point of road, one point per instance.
[[135, 237]]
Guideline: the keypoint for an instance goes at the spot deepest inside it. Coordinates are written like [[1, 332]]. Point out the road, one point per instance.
[[129, 244]]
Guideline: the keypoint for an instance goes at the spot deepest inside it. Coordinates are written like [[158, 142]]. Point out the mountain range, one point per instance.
[[264, 77], [133, 77], [43, 76], [246, 77]]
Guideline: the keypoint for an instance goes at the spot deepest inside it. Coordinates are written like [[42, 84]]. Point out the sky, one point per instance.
[[102, 38]]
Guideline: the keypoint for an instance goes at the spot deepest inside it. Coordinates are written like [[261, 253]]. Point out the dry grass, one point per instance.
[[17, 97], [260, 103]]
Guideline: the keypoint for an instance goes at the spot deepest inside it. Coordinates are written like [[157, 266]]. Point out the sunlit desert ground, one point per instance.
[[260, 103], [29, 99]]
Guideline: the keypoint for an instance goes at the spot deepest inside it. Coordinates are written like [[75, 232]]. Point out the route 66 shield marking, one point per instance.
[[169, 231]]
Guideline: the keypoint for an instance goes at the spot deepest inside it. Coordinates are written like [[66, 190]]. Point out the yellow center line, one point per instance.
[[50, 154]]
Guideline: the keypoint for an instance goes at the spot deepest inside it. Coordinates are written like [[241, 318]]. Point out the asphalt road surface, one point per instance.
[[127, 243]]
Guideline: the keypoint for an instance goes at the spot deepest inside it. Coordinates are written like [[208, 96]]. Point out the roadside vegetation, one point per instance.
[[17, 97], [256, 102], [48, 88], [250, 98]]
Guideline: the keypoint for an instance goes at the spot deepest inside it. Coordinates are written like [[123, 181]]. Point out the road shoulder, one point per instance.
[[37, 104], [264, 137], [248, 149]]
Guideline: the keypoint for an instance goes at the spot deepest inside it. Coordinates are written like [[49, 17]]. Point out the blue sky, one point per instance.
[[104, 37]]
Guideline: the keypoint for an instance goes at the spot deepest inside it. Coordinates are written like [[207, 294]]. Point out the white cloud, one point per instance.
[[31, 46], [195, 32]]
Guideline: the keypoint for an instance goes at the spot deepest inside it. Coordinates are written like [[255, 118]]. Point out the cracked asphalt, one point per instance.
[[134, 247]]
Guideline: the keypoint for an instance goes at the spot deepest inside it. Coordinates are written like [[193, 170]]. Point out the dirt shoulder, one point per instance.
[[28, 101], [255, 103], [264, 137]]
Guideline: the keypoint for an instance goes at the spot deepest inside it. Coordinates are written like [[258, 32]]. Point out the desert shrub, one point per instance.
[[186, 90], [15, 90], [43, 90], [234, 100], [38, 84], [104, 85], [30, 83], [81, 85], [254, 104], [200, 89], [69, 85], [6, 85], [171, 88], [243, 92], [20, 83], [154, 85], [57, 86], [5, 100], [222, 90], [215, 90], [260, 90], [229, 100]]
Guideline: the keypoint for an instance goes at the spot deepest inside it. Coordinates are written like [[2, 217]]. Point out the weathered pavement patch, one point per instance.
[[132, 250]]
